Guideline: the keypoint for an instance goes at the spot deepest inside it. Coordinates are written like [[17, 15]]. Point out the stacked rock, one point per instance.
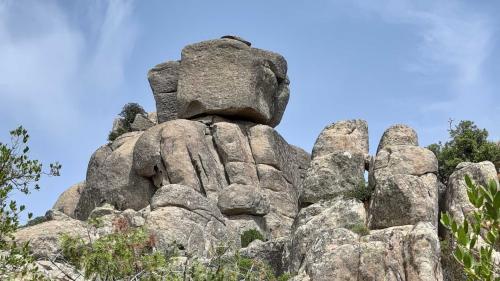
[[391, 237], [209, 165]]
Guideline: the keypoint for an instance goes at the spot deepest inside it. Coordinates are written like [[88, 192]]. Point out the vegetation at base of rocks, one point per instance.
[[129, 111], [362, 192], [233, 267], [131, 254], [467, 143], [250, 235], [475, 239], [452, 270], [360, 229], [17, 173]]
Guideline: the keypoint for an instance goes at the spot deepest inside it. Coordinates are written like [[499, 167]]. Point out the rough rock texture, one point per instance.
[[241, 165], [270, 251], [44, 237], [183, 215], [333, 252], [338, 162], [350, 135], [68, 200], [404, 182], [237, 199], [163, 81], [398, 135], [141, 123], [112, 179], [227, 77], [456, 201], [202, 181]]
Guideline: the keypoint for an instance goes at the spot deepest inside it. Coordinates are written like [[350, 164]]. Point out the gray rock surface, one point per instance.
[[163, 81], [398, 135], [44, 238], [338, 162], [349, 135], [229, 78], [141, 123], [238, 199], [112, 179], [456, 201], [68, 200], [404, 181], [270, 252]]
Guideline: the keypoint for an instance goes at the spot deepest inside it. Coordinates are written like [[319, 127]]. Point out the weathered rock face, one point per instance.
[[398, 135], [183, 215], [229, 78], [404, 182], [338, 162], [456, 201], [242, 166], [163, 81], [112, 179], [141, 123], [68, 200], [44, 238], [201, 181]]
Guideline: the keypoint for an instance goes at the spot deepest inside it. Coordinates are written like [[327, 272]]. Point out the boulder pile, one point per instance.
[[209, 165]]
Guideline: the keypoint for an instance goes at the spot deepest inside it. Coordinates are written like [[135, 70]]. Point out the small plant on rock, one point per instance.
[[476, 238], [128, 113], [360, 229], [250, 235], [362, 192]]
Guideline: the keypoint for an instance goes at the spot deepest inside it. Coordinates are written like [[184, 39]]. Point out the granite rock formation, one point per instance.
[[209, 165]]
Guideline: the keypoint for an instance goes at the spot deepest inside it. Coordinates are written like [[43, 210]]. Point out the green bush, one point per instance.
[[18, 173], [362, 192], [129, 111], [467, 143], [250, 235], [130, 254], [360, 229], [482, 224]]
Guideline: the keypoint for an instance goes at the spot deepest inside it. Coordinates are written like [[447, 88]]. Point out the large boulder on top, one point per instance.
[[227, 77], [347, 135], [404, 181]]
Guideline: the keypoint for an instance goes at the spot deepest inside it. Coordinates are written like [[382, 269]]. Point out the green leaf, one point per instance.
[[445, 219], [468, 181], [467, 259], [458, 254]]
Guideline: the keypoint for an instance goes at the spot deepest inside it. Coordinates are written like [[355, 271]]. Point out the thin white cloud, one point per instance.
[[454, 43], [53, 56]]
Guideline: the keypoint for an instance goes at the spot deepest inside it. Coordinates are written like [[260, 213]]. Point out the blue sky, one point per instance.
[[67, 67]]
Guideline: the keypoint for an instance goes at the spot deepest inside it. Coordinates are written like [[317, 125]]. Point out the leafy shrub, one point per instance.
[[35, 221], [129, 254], [360, 229], [250, 235], [363, 192], [125, 253], [129, 111], [17, 173], [483, 224], [467, 143], [233, 268], [115, 134]]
